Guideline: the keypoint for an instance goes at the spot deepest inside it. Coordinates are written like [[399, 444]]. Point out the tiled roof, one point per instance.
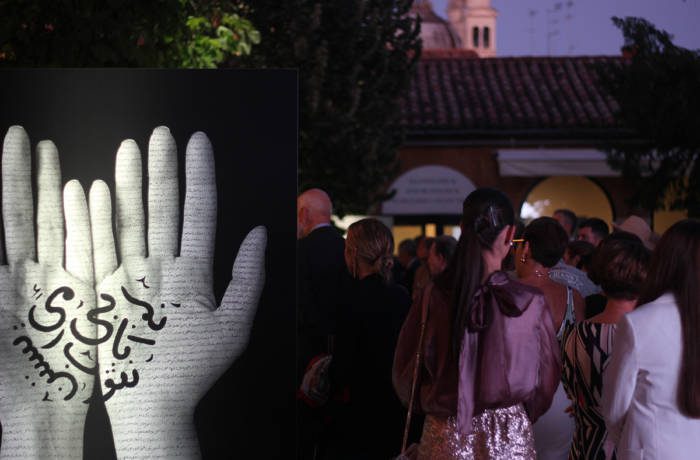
[[456, 94]]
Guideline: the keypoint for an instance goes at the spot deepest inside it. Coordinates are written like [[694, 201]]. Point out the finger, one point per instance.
[[163, 194], [49, 214], [240, 302], [3, 260], [104, 253], [199, 220], [78, 238], [17, 206], [130, 219]]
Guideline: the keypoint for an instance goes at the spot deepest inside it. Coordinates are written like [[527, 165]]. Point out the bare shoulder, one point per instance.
[[579, 305], [555, 293]]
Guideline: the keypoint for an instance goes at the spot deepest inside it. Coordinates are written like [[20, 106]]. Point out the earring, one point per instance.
[[523, 259]]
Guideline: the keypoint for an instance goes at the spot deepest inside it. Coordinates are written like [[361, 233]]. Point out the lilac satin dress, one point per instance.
[[509, 369]]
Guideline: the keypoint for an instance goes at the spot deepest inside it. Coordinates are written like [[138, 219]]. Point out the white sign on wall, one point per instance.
[[428, 190], [553, 162]]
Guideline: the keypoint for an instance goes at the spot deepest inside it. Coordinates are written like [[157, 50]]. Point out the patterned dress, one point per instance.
[[587, 354]]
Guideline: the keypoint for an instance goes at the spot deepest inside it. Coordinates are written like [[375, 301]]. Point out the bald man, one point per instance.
[[322, 279], [314, 210]]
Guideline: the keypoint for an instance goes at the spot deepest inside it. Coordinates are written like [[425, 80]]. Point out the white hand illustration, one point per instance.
[[163, 342], [48, 356]]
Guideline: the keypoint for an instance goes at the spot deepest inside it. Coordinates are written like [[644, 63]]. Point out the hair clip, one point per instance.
[[494, 216]]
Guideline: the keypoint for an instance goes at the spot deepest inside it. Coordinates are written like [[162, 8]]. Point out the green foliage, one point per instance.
[[355, 61], [210, 45], [158, 33], [658, 89]]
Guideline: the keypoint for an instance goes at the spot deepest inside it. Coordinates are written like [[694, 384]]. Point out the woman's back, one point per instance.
[[368, 330], [562, 301], [554, 430], [640, 392], [586, 356], [368, 422], [372, 420], [543, 244], [491, 421], [521, 338]]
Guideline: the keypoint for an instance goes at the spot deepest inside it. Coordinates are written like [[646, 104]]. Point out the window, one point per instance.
[[487, 37], [402, 232], [475, 37]]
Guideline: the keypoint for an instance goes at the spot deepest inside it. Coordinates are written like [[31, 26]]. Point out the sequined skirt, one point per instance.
[[503, 434]]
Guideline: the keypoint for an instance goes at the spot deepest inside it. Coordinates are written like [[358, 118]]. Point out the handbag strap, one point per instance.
[[424, 316]]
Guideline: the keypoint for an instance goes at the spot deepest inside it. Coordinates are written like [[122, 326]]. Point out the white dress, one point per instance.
[[555, 429]]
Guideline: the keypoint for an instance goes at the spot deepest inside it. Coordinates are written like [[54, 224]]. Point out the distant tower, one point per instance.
[[475, 23], [435, 32]]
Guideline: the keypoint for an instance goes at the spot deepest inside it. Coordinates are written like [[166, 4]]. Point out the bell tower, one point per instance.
[[475, 23]]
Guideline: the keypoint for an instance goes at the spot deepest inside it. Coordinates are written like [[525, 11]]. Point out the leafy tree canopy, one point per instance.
[[658, 89], [355, 61], [160, 33]]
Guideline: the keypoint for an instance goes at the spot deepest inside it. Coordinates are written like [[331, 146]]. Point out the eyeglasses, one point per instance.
[[515, 241]]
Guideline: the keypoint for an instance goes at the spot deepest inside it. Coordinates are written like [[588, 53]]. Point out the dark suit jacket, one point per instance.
[[321, 280]]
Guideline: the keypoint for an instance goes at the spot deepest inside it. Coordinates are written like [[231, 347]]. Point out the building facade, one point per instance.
[[534, 127]]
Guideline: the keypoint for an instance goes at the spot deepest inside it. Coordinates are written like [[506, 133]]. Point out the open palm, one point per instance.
[[47, 350], [164, 341]]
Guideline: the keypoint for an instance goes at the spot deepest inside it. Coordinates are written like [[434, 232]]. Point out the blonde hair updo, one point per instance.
[[373, 245]]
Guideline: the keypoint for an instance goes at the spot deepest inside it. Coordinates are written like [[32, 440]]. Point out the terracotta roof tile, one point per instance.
[[458, 92]]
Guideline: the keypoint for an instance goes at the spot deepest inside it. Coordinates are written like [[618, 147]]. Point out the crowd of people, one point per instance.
[[552, 340]]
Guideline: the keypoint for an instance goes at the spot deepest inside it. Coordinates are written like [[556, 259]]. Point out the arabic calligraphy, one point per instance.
[[68, 294], [148, 316], [34, 355], [123, 343], [124, 383], [58, 317], [49, 318]]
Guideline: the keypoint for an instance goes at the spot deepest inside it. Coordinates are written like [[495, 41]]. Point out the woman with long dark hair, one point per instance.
[[651, 389], [490, 360]]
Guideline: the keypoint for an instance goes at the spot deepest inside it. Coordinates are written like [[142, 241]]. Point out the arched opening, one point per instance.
[[579, 194], [428, 201], [487, 37], [475, 37]]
